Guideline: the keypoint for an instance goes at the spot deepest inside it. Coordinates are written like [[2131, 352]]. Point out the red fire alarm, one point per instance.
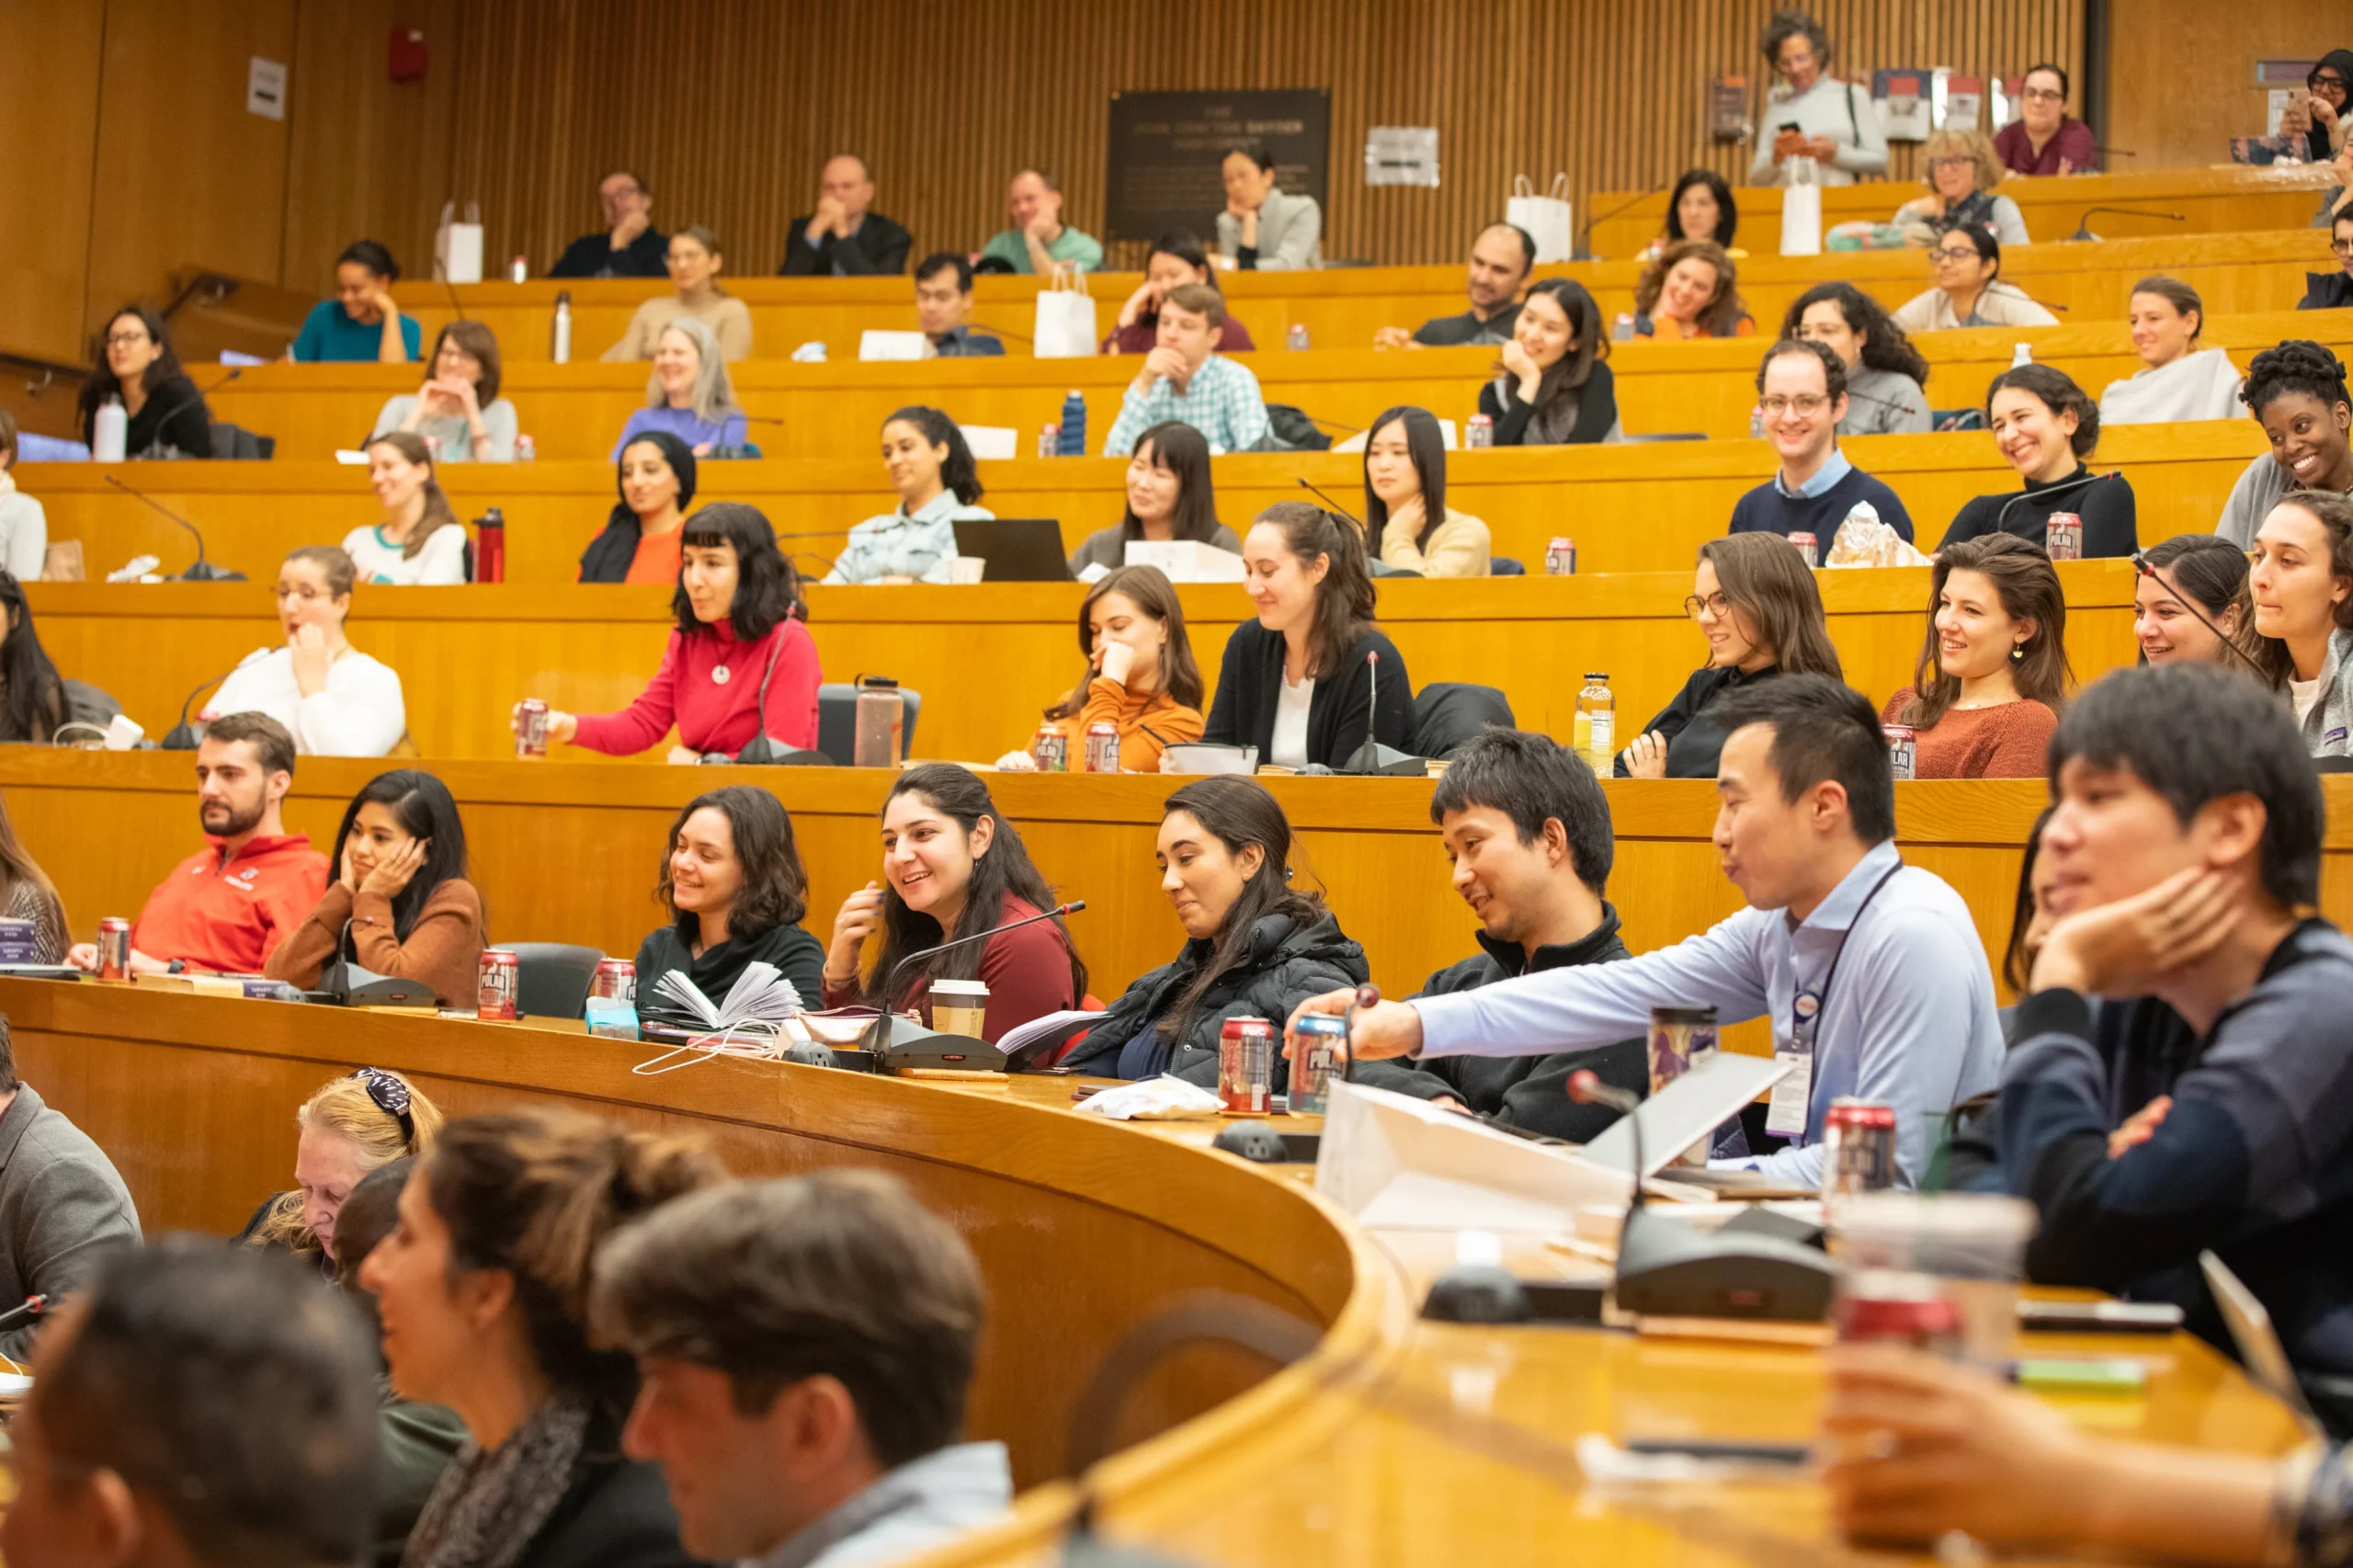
[[408, 54]]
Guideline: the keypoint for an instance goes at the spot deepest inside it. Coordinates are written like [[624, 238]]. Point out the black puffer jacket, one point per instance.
[[1288, 963]]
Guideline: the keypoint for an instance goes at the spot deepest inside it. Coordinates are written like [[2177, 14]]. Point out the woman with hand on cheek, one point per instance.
[[400, 903], [952, 867], [459, 405], [1141, 677], [1405, 500], [1553, 385], [2302, 581], [1265, 229], [333, 700]]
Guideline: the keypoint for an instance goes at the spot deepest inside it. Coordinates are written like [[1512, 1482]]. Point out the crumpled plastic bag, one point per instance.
[[1165, 1099], [1864, 540], [1863, 236]]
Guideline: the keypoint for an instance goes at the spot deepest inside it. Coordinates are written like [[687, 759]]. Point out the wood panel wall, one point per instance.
[[48, 116], [2208, 51], [728, 108]]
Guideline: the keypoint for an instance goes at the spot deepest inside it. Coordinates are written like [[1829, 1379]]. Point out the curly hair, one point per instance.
[[1885, 346], [1723, 310], [2298, 365]]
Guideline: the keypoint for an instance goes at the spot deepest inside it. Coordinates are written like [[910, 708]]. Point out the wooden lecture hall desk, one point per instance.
[[1342, 307], [1391, 1441], [2231, 199], [989, 657], [577, 411]]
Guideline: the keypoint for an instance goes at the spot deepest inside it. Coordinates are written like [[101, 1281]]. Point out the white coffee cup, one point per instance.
[[965, 569], [958, 1007]]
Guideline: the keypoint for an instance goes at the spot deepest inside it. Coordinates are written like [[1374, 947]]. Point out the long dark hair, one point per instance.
[[676, 453], [2028, 590], [1885, 347], [1149, 589], [1187, 247], [1727, 215], [957, 473], [1768, 581], [438, 513], [1240, 812], [2213, 571], [1005, 870], [1184, 452], [2014, 965], [22, 869], [1426, 449], [1343, 600], [1572, 370], [422, 805], [103, 383], [768, 589], [32, 694], [775, 889]]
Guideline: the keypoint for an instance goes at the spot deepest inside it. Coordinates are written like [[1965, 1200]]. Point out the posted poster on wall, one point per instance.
[[1167, 148]]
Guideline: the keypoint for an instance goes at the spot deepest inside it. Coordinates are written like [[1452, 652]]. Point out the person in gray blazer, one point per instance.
[[63, 1204], [1266, 230]]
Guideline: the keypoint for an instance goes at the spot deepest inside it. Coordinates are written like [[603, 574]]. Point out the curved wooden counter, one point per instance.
[[1395, 1442]]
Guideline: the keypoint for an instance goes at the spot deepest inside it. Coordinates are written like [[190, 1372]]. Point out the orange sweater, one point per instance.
[[444, 947], [1147, 723], [2011, 740]]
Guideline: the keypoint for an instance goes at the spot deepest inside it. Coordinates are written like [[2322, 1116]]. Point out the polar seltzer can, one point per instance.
[[1102, 746], [1322, 1037], [495, 995], [1246, 1067]]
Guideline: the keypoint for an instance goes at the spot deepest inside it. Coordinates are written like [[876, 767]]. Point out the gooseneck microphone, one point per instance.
[[17, 1316], [203, 570], [195, 397], [1072, 907], [2082, 224], [1582, 251], [1330, 504], [1903, 408], [1372, 757], [1586, 1087], [182, 736], [2002, 516]]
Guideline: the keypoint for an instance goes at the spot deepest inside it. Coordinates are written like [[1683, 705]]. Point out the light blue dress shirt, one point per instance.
[[1909, 1024], [919, 544], [1828, 474]]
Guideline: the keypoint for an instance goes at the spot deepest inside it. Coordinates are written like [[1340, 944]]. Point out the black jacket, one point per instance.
[[880, 246], [2326, 291], [793, 951], [607, 556], [174, 414], [1693, 744], [1249, 684], [1527, 1092], [1596, 409], [1287, 963], [592, 255], [616, 1513]]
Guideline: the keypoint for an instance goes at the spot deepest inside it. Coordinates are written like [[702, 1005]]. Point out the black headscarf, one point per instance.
[[607, 556], [2316, 147]]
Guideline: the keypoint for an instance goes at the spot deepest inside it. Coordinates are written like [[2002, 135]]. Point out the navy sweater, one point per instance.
[[2255, 1159], [1765, 510]]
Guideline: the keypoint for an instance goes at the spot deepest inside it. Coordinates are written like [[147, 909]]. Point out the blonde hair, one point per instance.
[[344, 1107], [1974, 145]]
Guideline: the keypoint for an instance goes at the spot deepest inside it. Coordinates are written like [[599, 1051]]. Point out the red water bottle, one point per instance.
[[490, 547]]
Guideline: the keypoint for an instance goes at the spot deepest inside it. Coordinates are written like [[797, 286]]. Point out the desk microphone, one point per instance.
[[1581, 251], [182, 736], [885, 990], [1903, 408], [1364, 996], [2111, 153], [1372, 757], [451, 289], [17, 1317], [203, 572], [1332, 505], [2140, 567], [2003, 515], [2083, 225], [192, 400]]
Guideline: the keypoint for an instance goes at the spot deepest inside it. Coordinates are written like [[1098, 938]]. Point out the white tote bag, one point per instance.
[[1801, 210], [456, 246], [1546, 218], [1065, 327]]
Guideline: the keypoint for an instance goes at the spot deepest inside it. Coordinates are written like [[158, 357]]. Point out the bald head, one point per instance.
[[844, 180]]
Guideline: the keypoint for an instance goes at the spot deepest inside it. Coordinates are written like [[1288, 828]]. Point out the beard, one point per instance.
[[228, 819]]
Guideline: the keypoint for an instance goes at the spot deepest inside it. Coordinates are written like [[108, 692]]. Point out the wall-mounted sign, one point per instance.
[[1167, 148]]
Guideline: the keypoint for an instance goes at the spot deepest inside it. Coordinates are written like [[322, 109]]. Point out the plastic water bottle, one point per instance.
[[2021, 353], [1297, 338], [1757, 423], [562, 353], [520, 271], [109, 432], [1072, 443], [1596, 732]]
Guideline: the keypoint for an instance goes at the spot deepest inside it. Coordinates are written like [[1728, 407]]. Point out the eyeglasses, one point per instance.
[[1952, 256], [2342, 248], [1805, 406], [2043, 95], [2315, 82], [1953, 163], [1715, 604], [125, 339]]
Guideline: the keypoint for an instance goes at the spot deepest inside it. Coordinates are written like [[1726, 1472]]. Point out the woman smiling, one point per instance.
[[2191, 603], [1966, 289], [689, 393], [1170, 497], [1553, 385], [939, 487], [1992, 672], [2178, 380], [2297, 393], [420, 541], [735, 887], [695, 263], [643, 533], [2046, 426], [1692, 291]]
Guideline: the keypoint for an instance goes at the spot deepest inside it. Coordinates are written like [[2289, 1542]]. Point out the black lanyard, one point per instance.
[[1802, 1028]]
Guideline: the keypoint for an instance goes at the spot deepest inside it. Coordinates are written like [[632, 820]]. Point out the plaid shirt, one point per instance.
[[902, 544], [1222, 403]]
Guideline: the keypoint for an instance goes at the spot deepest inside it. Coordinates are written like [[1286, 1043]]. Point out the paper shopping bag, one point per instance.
[[1546, 218]]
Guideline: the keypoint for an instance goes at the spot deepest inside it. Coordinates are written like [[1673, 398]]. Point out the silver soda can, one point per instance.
[[114, 948], [1561, 557], [1479, 434], [1321, 1038]]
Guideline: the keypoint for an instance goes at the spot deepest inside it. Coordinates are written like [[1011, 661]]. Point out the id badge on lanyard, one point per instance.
[[1792, 1100]]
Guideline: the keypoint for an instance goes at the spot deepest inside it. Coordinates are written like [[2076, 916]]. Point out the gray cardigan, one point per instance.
[[1290, 231], [2252, 497], [1885, 403], [2329, 728], [63, 1204]]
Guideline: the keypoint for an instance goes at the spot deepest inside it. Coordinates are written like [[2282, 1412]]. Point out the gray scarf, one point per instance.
[[489, 1506]]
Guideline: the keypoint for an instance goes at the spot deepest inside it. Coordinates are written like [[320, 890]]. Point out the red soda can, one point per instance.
[[1102, 747], [114, 948], [1893, 1306], [1050, 749], [1808, 546], [1903, 752], [531, 740], [2062, 536], [616, 980], [1246, 1067], [1561, 558], [495, 995], [1857, 1148]]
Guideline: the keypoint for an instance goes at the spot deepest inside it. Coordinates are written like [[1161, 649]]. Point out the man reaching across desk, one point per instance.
[[1869, 969], [1526, 830], [226, 907]]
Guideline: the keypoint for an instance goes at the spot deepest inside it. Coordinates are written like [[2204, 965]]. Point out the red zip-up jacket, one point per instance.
[[228, 915]]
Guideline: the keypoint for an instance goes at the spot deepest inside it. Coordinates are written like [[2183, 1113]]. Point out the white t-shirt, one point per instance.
[[2305, 693], [1288, 748], [360, 713], [442, 561]]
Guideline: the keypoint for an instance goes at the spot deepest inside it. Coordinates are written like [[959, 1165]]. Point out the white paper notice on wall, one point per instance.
[[266, 87], [1401, 155]]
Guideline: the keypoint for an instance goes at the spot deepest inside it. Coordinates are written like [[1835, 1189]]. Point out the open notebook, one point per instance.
[[760, 995]]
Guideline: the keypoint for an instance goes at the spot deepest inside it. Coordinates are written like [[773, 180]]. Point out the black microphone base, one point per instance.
[[896, 1043], [1379, 761], [205, 571], [1667, 1269]]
